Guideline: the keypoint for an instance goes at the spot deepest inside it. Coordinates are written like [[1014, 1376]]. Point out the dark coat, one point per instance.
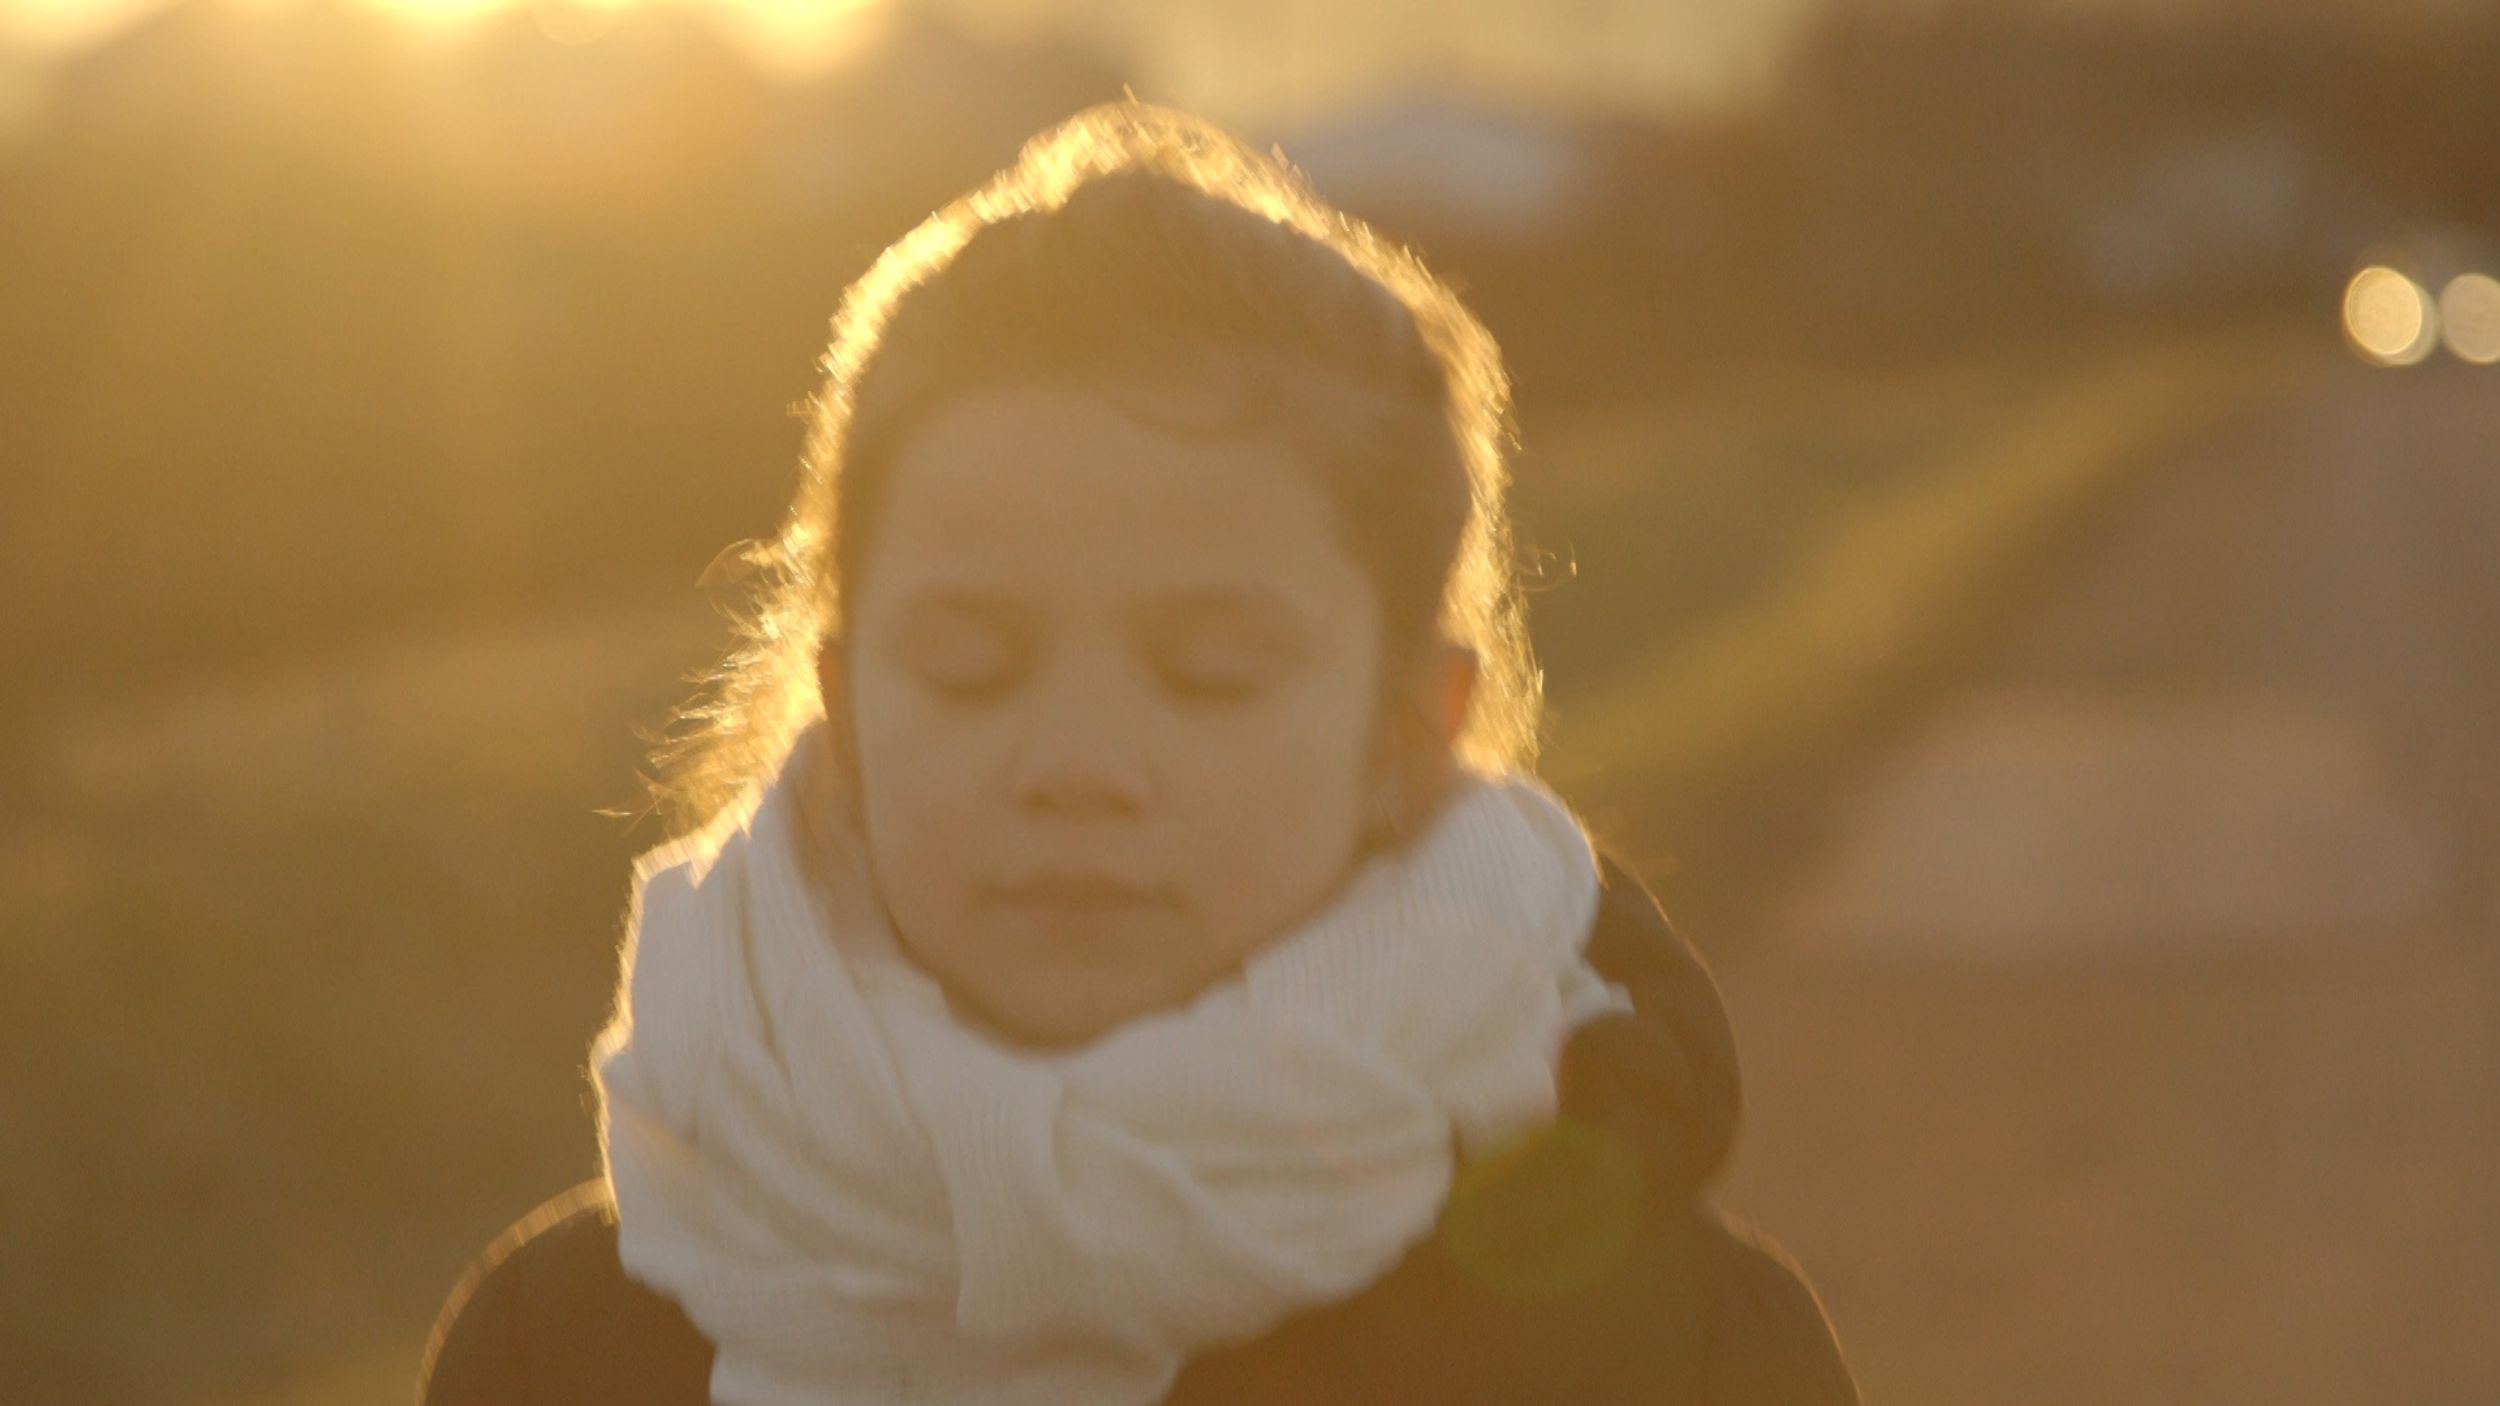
[[1588, 1266]]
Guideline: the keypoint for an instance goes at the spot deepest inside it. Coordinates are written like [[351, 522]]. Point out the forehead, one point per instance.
[[1057, 494]]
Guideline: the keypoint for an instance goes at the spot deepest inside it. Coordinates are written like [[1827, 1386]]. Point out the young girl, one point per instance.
[[1121, 954]]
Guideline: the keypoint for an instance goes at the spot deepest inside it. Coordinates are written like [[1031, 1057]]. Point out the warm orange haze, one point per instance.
[[2008, 496], [1278, 59]]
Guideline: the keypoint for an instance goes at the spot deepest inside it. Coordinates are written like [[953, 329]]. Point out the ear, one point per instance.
[[1426, 760], [1450, 687], [833, 684]]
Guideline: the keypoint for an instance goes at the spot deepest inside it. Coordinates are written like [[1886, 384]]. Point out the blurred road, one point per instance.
[[2136, 1039]]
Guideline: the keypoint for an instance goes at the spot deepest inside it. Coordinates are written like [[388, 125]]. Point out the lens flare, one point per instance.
[[2389, 317], [2469, 317]]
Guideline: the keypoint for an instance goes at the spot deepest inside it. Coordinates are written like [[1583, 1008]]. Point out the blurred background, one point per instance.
[[2016, 488]]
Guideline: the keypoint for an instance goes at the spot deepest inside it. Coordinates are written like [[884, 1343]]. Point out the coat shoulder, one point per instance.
[[1672, 1083], [546, 1315], [1771, 1343], [1665, 1076]]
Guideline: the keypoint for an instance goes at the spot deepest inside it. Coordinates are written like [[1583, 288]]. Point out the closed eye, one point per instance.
[[969, 686], [960, 654], [1221, 662], [1206, 683]]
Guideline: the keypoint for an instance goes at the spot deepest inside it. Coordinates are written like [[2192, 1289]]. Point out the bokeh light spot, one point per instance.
[[2389, 317], [2469, 317]]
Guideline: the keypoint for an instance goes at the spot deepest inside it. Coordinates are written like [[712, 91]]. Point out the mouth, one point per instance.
[[1077, 898]]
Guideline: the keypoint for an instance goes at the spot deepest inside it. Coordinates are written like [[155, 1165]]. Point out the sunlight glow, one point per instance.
[[801, 36], [781, 10], [438, 9], [2389, 317], [53, 25], [793, 37]]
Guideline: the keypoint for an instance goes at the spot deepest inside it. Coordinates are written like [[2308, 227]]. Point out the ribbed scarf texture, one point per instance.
[[863, 1200]]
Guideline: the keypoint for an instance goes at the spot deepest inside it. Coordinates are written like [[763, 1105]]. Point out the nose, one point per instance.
[[1082, 756]]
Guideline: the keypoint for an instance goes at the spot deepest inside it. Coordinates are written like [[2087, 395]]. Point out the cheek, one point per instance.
[[1277, 799], [921, 776]]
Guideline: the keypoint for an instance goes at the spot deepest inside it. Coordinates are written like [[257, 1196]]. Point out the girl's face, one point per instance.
[[1112, 698]]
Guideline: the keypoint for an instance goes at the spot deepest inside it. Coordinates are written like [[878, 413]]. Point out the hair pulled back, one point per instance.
[[1151, 255]]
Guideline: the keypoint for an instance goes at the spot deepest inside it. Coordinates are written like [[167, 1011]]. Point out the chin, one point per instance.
[[1048, 1030], [1033, 1014]]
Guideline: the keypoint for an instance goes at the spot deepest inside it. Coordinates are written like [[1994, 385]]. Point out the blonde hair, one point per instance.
[[1136, 241]]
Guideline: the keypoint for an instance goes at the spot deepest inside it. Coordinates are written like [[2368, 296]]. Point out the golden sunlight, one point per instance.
[[780, 9], [786, 36], [55, 25], [435, 8], [50, 25], [800, 36]]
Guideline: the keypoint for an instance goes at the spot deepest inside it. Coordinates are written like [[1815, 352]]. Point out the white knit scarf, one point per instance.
[[862, 1200]]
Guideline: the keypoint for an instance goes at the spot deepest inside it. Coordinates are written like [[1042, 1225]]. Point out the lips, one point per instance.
[[1077, 896]]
